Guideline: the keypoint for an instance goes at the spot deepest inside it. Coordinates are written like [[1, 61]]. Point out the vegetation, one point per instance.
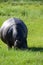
[[32, 15], [22, 1]]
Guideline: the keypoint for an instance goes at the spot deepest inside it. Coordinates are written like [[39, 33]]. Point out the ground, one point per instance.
[[32, 15]]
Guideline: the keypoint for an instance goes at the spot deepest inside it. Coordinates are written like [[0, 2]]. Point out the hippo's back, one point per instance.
[[13, 22]]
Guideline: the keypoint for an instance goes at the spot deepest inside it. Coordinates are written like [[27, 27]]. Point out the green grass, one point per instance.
[[32, 15]]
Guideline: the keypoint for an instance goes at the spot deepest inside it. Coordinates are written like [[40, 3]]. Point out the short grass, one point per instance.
[[32, 15]]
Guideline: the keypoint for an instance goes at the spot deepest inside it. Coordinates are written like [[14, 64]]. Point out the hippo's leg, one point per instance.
[[9, 45], [15, 45], [26, 43], [24, 46]]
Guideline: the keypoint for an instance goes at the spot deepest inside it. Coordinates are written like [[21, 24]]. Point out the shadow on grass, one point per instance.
[[35, 49]]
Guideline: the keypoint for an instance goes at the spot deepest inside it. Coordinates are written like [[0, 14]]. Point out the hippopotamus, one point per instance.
[[13, 32]]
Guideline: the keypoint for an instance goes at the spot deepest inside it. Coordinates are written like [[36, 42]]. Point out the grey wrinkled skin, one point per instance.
[[13, 32]]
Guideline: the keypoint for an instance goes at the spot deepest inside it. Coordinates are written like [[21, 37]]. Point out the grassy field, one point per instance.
[[32, 15]]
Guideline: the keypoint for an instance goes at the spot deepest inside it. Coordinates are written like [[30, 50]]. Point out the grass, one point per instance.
[[32, 15]]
